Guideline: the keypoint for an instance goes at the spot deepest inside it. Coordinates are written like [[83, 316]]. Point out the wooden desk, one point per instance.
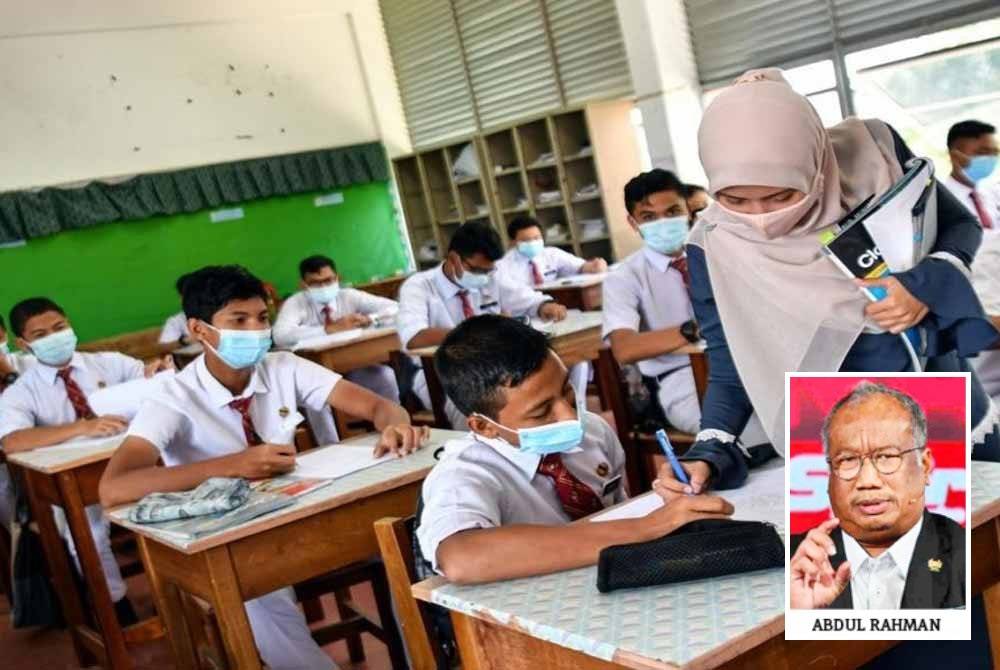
[[386, 288], [561, 621], [68, 476], [371, 347], [699, 366], [324, 530], [186, 354], [584, 292]]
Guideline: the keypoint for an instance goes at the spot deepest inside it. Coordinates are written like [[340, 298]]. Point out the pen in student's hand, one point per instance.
[[661, 437]]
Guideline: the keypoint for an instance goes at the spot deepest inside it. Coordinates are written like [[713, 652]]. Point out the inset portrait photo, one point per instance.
[[877, 506]]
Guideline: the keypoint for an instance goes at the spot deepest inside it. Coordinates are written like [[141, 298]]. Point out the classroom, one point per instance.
[[432, 334]]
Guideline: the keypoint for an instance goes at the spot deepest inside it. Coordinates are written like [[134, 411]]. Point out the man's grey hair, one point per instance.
[[867, 389]]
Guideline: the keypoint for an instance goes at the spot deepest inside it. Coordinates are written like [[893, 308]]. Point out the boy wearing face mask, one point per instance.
[[500, 503], [12, 363], [48, 405], [466, 284], [647, 311], [972, 147], [323, 307], [530, 263], [174, 332], [231, 413]]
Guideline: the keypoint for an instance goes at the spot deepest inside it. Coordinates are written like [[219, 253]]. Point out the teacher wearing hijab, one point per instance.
[[768, 300]]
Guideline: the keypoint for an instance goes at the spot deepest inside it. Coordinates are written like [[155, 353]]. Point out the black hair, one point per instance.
[[520, 223], [485, 354], [315, 264], [211, 288], [179, 284], [968, 130], [476, 237], [646, 184], [2, 323], [26, 309], [691, 189]]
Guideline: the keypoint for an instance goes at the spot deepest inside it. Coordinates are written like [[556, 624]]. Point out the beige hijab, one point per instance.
[[784, 306]]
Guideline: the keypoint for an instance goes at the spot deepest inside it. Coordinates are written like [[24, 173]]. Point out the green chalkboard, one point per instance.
[[119, 277]]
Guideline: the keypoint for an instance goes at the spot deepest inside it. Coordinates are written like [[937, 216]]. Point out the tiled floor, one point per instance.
[[52, 649]]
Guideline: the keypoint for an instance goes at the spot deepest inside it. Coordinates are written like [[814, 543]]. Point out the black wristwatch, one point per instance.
[[689, 329]]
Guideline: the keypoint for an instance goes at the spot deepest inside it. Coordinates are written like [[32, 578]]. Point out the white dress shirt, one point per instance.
[[553, 263], [300, 318], [429, 299], [481, 483], [988, 198], [174, 328], [878, 582], [20, 361]]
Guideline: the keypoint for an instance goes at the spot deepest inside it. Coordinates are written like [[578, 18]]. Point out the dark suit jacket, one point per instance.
[[940, 539]]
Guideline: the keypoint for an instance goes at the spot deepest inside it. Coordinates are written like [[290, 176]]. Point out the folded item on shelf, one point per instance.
[[465, 166], [546, 157], [586, 191], [547, 197], [556, 233], [428, 251]]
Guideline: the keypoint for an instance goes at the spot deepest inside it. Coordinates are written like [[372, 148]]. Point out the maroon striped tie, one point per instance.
[[76, 395], [578, 500], [467, 311], [242, 405]]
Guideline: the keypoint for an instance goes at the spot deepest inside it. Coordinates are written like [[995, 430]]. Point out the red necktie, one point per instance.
[[536, 274], [467, 311], [984, 217], [578, 500], [242, 405], [76, 396], [681, 265], [327, 320]]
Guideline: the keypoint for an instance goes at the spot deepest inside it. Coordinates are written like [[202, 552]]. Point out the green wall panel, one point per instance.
[[119, 277]]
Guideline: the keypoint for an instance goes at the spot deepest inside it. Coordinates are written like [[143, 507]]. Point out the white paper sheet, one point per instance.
[[891, 226], [761, 499], [574, 280], [124, 399], [327, 341], [338, 460]]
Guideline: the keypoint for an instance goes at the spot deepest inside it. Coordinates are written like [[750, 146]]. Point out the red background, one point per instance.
[[810, 399]]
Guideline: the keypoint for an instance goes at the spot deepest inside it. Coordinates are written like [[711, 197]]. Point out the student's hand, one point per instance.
[[897, 311], [158, 365], [402, 439], [669, 487], [682, 510], [552, 311], [595, 266], [814, 582], [348, 322], [265, 460], [103, 426]]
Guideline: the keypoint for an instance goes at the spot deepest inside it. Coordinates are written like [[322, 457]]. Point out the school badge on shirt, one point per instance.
[[102, 384], [603, 469], [283, 412]]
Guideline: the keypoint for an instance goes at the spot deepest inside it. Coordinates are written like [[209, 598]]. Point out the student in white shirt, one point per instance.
[[647, 310], [972, 147], [466, 284], [530, 263], [696, 198], [323, 307], [13, 364], [491, 507], [175, 330], [226, 415], [48, 405]]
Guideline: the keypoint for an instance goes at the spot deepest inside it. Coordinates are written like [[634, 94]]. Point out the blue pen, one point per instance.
[[661, 437]]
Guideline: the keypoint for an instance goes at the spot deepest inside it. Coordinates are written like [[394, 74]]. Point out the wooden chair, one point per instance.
[[419, 416], [6, 550], [395, 542]]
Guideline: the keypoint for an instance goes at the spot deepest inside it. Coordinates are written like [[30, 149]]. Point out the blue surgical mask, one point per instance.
[[552, 438], [55, 349], [980, 167], [531, 248], [324, 295], [241, 349], [666, 235], [473, 281]]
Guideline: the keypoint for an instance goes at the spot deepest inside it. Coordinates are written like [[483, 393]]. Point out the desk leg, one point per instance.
[[93, 571], [59, 568], [168, 604], [436, 393], [227, 601]]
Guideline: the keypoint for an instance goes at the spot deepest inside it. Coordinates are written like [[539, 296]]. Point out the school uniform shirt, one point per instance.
[[300, 318], [189, 420], [20, 361], [39, 399], [987, 198], [483, 483], [429, 299], [645, 293], [552, 263], [175, 327]]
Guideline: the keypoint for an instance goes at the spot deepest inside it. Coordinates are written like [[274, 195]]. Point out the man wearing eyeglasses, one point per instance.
[[882, 549]]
